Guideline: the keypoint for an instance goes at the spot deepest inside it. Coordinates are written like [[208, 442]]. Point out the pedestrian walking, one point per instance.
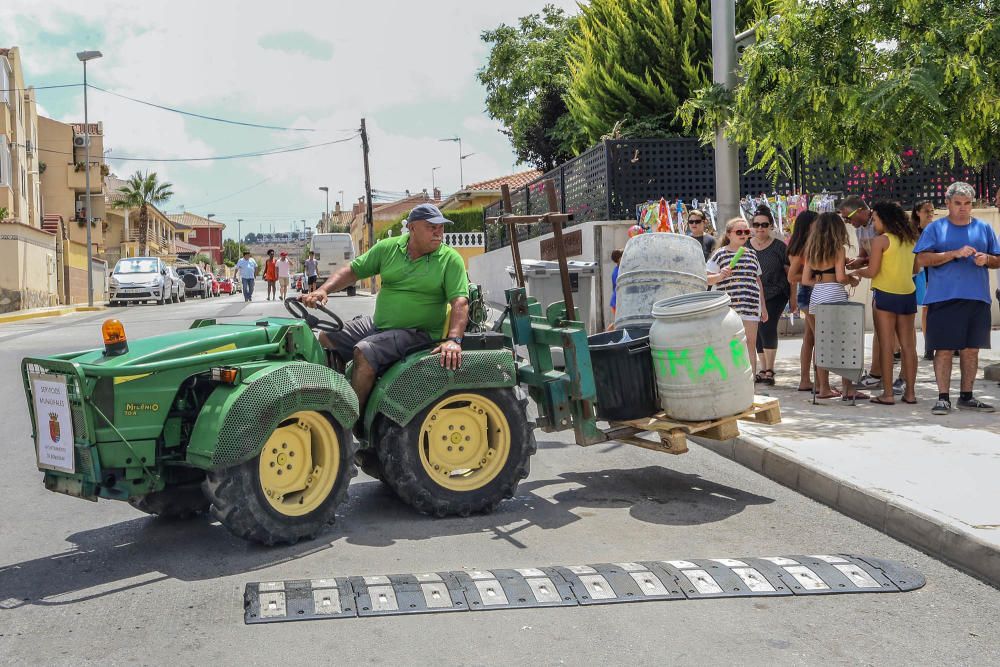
[[246, 268], [856, 212], [894, 301], [921, 216], [801, 294], [312, 271], [958, 252], [733, 268], [772, 254], [826, 270], [271, 274], [284, 268], [696, 226]]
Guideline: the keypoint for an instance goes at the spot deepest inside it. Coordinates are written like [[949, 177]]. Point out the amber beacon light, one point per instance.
[[115, 342]]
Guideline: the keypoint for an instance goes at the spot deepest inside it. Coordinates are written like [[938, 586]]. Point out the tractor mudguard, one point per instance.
[[419, 380], [236, 420]]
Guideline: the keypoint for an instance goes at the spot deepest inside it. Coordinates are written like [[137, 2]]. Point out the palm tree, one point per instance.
[[139, 191]]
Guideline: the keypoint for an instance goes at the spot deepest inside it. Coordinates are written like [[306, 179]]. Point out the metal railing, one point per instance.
[[465, 239]]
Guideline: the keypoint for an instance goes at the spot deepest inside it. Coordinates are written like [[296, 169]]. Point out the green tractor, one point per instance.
[[252, 422]]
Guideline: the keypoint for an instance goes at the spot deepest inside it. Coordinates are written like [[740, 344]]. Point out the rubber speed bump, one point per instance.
[[573, 585]]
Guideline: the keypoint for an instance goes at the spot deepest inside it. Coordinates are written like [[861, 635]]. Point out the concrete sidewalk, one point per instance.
[[930, 481], [53, 311]]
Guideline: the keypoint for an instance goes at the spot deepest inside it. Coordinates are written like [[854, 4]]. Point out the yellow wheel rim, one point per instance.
[[464, 442], [299, 464]]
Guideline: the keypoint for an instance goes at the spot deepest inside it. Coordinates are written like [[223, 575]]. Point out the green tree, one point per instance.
[[861, 82], [139, 191], [525, 79], [634, 62], [232, 251]]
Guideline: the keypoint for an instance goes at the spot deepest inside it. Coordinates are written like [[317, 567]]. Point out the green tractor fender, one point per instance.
[[419, 380], [236, 420]]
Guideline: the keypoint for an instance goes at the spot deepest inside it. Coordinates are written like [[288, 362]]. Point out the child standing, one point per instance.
[[616, 257], [740, 279]]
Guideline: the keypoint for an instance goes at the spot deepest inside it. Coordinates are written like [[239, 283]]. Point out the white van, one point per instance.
[[332, 252]]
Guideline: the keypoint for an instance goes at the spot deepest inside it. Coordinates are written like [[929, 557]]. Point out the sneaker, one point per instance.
[[941, 407], [974, 404], [897, 386], [870, 381]]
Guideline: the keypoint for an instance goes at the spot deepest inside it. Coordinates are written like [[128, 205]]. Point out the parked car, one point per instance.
[[196, 282], [176, 285], [139, 279], [226, 286]]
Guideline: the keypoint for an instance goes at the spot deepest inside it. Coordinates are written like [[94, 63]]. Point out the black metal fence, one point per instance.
[[608, 181]]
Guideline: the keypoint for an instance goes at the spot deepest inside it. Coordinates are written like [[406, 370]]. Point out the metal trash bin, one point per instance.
[[543, 282]]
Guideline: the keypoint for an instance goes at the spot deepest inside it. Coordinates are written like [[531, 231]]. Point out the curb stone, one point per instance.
[[882, 511], [18, 315]]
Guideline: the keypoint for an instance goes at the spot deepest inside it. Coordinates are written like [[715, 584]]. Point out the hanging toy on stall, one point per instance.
[[635, 230], [663, 217]]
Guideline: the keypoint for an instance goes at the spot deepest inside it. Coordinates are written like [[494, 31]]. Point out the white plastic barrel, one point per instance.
[[654, 267], [700, 361]]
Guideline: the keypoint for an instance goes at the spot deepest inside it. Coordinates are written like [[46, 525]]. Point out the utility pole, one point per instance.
[[369, 222], [727, 155]]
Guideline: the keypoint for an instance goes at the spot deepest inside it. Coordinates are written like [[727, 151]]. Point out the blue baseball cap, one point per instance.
[[428, 212]]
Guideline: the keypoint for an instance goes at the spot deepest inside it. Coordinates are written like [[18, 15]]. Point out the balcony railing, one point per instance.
[[464, 239], [77, 180]]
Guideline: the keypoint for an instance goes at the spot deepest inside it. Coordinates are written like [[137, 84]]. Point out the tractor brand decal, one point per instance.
[[669, 363], [53, 422], [132, 409], [128, 378], [221, 348]]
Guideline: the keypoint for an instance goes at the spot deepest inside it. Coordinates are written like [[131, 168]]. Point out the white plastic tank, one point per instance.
[[653, 267], [699, 352]]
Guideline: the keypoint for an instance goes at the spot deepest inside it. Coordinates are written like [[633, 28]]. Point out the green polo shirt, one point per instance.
[[415, 293]]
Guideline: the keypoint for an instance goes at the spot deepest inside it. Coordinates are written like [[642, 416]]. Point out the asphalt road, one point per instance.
[[100, 582]]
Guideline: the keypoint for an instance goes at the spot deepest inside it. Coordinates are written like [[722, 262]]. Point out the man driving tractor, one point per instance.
[[421, 277]]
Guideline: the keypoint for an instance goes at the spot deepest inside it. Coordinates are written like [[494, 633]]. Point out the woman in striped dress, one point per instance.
[[740, 279], [825, 270]]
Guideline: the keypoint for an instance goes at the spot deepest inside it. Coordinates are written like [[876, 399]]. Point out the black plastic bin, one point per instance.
[[623, 373]]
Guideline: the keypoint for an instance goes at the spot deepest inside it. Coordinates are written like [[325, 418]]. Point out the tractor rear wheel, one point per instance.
[[176, 502], [291, 490], [464, 453]]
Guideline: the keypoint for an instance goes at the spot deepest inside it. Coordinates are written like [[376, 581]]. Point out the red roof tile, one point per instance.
[[514, 181]]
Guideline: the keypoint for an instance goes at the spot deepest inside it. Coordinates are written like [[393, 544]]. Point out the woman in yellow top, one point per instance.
[[894, 296]]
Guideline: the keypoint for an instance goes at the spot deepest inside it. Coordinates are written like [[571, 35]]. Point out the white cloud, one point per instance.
[[389, 59]]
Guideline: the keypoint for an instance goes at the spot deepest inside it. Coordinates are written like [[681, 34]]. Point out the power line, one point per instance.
[[234, 193], [198, 115], [261, 153], [61, 85]]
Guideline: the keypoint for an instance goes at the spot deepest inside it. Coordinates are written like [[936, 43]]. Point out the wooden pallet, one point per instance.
[[673, 433]]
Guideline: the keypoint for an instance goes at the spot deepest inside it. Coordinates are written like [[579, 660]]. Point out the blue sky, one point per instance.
[[409, 68]]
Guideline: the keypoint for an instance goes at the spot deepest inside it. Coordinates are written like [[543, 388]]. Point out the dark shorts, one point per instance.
[[958, 324], [901, 304], [803, 296], [311, 281], [382, 348]]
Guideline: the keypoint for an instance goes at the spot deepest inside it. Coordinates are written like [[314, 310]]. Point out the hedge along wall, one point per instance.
[[464, 219]]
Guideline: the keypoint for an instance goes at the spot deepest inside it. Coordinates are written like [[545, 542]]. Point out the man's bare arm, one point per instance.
[[341, 278], [930, 259], [459, 317]]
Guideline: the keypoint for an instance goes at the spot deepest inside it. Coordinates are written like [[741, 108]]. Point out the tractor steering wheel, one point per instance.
[[299, 310]]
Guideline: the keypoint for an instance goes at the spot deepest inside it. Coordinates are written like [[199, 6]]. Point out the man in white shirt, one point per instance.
[[284, 273], [247, 270]]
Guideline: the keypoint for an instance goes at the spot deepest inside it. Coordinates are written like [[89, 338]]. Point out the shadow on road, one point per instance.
[[131, 554]]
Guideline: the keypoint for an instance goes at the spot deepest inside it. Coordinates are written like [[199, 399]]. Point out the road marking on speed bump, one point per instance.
[[574, 585]]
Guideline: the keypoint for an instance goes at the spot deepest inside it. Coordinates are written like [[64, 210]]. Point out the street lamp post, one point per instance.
[[239, 234], [461, 177], [727, 157], [84, 56], [327, 191]]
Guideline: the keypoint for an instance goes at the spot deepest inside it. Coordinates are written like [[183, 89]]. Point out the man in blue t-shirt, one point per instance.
[[958, 252]]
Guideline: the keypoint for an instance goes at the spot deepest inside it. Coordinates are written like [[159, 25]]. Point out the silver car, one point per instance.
[[177, 292], [140, 279]]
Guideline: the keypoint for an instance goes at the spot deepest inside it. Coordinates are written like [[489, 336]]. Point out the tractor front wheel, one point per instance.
[[464, 453], [291, 490]]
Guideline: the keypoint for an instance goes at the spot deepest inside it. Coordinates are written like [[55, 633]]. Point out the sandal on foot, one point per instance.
[[768, 378], [878, 400], [856, 396], [805, 388], [913, 402], [833, 394], [759, 377]]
